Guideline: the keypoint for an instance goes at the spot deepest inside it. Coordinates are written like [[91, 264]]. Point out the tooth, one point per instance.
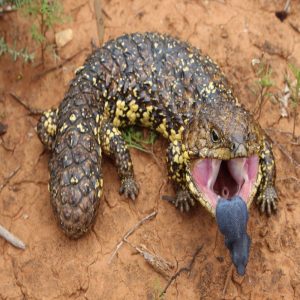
[[237, 170], [215, 165]]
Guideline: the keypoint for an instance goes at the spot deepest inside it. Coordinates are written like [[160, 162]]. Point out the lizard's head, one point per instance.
[[223, 144]]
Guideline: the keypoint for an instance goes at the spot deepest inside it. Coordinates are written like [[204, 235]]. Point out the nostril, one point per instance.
[[234, 146]]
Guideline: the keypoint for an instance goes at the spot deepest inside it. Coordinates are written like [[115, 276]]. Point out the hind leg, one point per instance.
[[46, 127], [113, 145]]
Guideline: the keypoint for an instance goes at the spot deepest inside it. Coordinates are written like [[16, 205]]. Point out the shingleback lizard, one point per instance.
[[156, 81]]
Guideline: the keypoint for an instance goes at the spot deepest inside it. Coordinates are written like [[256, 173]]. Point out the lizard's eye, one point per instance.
[[214, 136]]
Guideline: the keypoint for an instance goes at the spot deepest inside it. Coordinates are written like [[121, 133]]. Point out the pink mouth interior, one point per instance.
[[225, 178]]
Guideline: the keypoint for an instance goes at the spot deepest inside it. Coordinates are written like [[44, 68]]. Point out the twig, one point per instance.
[[130, 232], [141, 148], [296, 138], [38, 76], [287, 5], [77, 8], [292, 160], [8, 236], [282, 14], [184, 269], [278, 131], [32, 111], [8, 178], [105, 13], [158, 263], [99, 20], [228, 277], [291, 178], [151, 152], [295, 27]]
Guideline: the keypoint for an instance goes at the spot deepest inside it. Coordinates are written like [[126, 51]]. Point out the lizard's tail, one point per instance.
[[75, 166]]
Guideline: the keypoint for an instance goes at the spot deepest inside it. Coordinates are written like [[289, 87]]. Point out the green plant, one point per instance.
[[294, 87], [44, 15], [263, 85], [14, 53], [135, 138]]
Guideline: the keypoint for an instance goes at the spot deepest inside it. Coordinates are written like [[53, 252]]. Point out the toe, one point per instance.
[[192, 201], [132, 196], [129, 188], [187, 207]]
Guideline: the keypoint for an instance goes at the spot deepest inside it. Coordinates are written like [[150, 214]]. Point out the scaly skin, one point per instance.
[[157, 82]]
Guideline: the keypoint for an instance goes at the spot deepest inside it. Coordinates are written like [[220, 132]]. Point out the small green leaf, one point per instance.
[[36, 35], [135, 138]]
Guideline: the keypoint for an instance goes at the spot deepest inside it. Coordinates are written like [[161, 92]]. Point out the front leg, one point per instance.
[[179, 173], [267, 195], [113, 145]]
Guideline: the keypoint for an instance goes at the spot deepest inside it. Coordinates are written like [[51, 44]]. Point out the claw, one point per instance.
[[132, 196], [129, 188], [121, 190], [267, 201], [183, 201], [192, 201], [274, 206], [187, 207]]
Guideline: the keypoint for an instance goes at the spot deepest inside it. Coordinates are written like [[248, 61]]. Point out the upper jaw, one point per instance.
[[240, 150]]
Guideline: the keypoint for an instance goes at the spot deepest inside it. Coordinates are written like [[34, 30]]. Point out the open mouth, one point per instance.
[[216, 178]]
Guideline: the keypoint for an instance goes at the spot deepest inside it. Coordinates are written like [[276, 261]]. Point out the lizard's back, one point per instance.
[[146, 78]]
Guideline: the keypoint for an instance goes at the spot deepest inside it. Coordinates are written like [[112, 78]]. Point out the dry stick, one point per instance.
[[228, 277], [294, 125], [79, 7], [130, 231], [287, 5], [285, 152], [4, 232], [184, 269], [151, 152], [155, 158], [105, 13], [33, 111], [291, 178], [292, 160], [99, 20], [8, 178], [8, 236], [38, 76], [158, 263], [278, 131], [295, 27], [297, 138]]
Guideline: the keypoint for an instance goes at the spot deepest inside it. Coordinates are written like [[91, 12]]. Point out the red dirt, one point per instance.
[[54, 267]]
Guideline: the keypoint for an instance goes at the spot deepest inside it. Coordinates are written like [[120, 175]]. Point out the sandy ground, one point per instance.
[[54, 267]]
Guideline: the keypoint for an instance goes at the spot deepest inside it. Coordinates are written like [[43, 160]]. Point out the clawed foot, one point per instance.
[[268, 200], [129, 188], [183, 200]]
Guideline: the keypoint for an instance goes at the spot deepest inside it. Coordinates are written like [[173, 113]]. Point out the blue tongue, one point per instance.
[[232, 218]]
